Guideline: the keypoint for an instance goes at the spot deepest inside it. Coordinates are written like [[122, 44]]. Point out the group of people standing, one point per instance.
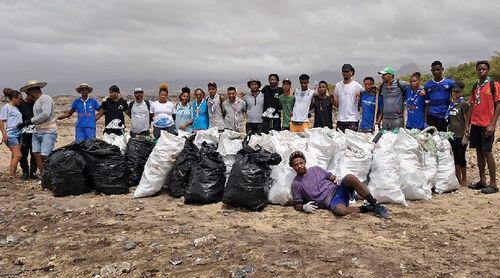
[[30, 124]]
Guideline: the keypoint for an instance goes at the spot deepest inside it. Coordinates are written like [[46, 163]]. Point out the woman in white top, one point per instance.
[[163, 112], [10, 119]]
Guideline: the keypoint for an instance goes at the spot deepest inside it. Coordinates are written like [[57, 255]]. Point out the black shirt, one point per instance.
[[271, 98], [114, 110], [323, 111], [26, 109]]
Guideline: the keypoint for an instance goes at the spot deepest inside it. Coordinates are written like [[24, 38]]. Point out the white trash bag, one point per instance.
[[446, 179], [357, 157], [339, 144], [120, 141], [159, 163], [412, 177], [229, 144], [321, 146], [384, 182], [210, 136]]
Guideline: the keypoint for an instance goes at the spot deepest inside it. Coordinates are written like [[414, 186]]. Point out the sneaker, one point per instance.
[[476, 186], [25, 176], [489, 190], [381, 211]]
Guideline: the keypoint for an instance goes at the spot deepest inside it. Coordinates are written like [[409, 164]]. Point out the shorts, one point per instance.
[[458, 152], [299, 126], [270, 124], [14, 140], [391, 124], [438, 123], [43, 143], [478, 139], [366, 130], [342, 195], [255, 128], [84, 133], [342, 126], [157, 131]]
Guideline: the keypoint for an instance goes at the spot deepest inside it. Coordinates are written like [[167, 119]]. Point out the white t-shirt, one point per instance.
[[302, 105], [348, 105], [162, 110]]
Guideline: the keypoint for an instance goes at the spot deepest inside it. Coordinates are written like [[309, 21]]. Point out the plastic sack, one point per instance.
[[384, 175], [321, 146], [159, 164], [229, 144], [107, 168], [210, 136], [357, 156], [120, 141], [66, 173], [207, 178], [446, 179], [178, 177], [412, 177], [249, 182], [263, 141], [138, 150], [339, 145]]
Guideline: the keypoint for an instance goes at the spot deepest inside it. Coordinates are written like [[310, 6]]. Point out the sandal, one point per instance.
[[489, 190], [476, 186]]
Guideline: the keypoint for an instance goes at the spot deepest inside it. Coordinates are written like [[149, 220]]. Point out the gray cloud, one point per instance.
[[73, 41]]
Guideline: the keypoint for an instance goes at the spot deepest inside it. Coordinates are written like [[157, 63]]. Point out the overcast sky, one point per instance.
[[92, 40]]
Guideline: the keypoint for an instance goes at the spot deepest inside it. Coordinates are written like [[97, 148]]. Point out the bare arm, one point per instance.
[[4, 132], [100, 112], [66, 114], [490, 130], [298, 207]]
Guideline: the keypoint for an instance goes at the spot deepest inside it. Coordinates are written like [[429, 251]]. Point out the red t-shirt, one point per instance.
[[482, 103]]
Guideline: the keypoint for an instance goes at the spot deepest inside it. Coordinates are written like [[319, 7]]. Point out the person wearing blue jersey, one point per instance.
[[368, 105], [86, 108], [415, 103], [438, 95]]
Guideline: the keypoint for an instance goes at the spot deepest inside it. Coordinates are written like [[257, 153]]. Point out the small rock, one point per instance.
[[248, 267], [120, 213], [199, 261], [20, 261], [130, 245], [175, 260], [24, 229], [115, 269], [204, 240], [217, 256], [238, 273]]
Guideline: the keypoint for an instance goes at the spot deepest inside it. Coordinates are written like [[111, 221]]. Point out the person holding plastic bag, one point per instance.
[[315, 188], [163, 111], [114, 108]]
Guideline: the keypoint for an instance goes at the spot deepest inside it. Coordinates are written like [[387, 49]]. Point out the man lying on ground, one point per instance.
[[316, 188]]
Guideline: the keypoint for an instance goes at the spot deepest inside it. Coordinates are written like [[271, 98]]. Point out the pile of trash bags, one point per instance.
[[82, 167], [252, 171]]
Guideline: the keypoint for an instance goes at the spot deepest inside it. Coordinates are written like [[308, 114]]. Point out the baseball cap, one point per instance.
[[212, 84], [138, 90], [387, 70], [286, 80], [114, 89]]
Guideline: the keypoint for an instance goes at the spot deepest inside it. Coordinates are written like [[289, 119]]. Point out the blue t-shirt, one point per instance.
[[368, 107], [85, 111], [438, 94], [415, 108], [200, 115]]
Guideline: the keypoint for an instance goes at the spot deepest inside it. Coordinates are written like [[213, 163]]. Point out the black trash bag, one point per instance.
[[207, 178], [46, 178], [68, 175], [250, 179], [138, 150], [107, 168], [178, 178]]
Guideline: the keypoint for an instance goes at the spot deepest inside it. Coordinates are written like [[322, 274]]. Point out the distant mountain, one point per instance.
[[408, 69]]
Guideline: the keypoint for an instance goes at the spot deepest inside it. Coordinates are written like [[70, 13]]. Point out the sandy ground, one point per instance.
[[452, 235]]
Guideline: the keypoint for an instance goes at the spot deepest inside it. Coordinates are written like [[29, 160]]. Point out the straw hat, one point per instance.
[[84, 86], [32, 84]]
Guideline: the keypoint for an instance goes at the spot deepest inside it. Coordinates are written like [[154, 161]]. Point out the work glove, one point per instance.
[[310, 207]]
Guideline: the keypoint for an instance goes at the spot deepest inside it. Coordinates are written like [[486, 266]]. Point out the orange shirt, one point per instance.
[[482, 103]]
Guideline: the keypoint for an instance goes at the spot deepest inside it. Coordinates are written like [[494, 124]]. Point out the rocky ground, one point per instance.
[[452, 235]]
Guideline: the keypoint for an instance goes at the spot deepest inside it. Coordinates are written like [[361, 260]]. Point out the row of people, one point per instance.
[[438, 103]]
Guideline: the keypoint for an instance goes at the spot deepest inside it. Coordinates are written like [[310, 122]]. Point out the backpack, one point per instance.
[[148, 104]]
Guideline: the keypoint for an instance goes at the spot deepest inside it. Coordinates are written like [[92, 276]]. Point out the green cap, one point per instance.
[[387, 70]]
